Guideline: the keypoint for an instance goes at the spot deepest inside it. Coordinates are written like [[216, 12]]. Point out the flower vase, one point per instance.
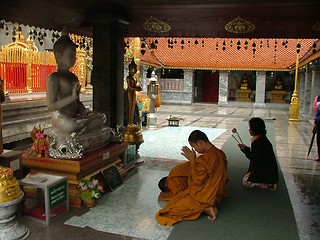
[[89, 203]]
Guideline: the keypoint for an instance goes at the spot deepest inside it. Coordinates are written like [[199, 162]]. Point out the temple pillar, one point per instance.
[[307, 90], [301, 89], [260, 90], [315, 85], [188, 78], [223, 88], [108, 72]]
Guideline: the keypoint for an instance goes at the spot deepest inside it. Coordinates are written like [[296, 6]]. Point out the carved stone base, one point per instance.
[[10, 228]]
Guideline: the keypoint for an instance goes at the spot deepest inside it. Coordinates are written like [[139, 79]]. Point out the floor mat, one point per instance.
[[246, 213], [129, 210], [167, 142]]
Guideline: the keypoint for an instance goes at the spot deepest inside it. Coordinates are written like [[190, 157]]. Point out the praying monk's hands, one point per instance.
[[189, 154]]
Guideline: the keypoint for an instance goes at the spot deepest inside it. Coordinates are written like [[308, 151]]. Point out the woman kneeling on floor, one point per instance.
[[263, 168]]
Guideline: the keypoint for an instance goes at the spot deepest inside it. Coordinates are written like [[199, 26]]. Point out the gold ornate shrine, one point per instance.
[[278, 96], [76, 169], [24, 68], [243, 95], [9, 185]]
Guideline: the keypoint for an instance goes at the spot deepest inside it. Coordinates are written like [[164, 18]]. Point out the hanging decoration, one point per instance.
[[246, 45], [275, 51], [298, 47], [156, 26], [314, 47], [149, 44], [224, 45], [239, 26], [285, 43], [254, 49], [4, 25], [37, 35], [238, 45], [182, 44]]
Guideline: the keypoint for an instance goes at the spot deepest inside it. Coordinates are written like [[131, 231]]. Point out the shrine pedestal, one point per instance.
[[277, 96], [243, 95], [75, 169]]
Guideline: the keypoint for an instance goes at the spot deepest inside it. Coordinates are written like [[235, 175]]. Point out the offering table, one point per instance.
[[75, 169]]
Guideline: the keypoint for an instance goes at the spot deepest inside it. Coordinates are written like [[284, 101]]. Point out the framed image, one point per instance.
[[113, 177]]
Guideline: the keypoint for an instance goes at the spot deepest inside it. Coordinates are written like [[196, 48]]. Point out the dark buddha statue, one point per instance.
[[278, 84]]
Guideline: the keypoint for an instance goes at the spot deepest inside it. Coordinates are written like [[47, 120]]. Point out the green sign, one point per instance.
[[58, 194]]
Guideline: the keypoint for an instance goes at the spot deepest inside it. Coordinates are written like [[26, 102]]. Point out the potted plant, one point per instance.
[[90, 190]]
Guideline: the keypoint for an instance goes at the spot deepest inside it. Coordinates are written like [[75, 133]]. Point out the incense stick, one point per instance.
[[235, 139], [239, 137]]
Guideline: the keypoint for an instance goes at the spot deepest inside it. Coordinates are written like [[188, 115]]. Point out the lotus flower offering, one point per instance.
[[237, 137]]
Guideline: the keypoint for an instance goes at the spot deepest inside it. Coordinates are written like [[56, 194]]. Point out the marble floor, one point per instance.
[[302, 175]]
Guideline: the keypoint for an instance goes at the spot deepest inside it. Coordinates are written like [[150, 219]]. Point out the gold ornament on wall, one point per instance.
[[239, 25], [156, 26], [316, 27]]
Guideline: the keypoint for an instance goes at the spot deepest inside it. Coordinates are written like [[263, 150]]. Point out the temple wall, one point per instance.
[[177, 91]]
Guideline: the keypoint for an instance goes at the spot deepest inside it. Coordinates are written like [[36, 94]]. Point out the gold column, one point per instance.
[[29, 67], [294, 105], [81, 68]]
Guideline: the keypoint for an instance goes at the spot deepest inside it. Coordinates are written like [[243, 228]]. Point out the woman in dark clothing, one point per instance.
[[263, 168]]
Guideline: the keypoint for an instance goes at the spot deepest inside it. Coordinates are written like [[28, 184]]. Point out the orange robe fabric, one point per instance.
[[177, 180], [206, 187]]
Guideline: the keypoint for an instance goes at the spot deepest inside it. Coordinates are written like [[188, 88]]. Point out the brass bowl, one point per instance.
[[9, 185]]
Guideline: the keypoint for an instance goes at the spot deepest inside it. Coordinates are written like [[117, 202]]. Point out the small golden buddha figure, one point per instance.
[[278, 84], [244, 82], [133, 86]]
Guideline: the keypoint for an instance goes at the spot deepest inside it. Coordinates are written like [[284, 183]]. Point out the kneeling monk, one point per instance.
[[206, 183], [175, 182]]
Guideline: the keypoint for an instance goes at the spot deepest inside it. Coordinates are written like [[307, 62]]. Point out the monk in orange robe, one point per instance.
[[175, 182], [206, 183]]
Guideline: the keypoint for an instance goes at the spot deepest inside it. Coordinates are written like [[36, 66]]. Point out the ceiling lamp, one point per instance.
[[156, 26], [239, 25]]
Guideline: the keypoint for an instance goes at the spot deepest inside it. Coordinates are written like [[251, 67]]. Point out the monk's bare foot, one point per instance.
[[212, 213]]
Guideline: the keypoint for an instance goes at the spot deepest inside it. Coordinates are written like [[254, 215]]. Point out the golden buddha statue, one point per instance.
[[133, 86], [132, 132], [244, 82]]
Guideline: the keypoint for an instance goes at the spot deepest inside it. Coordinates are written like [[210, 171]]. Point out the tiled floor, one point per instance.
[[292, 141]]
